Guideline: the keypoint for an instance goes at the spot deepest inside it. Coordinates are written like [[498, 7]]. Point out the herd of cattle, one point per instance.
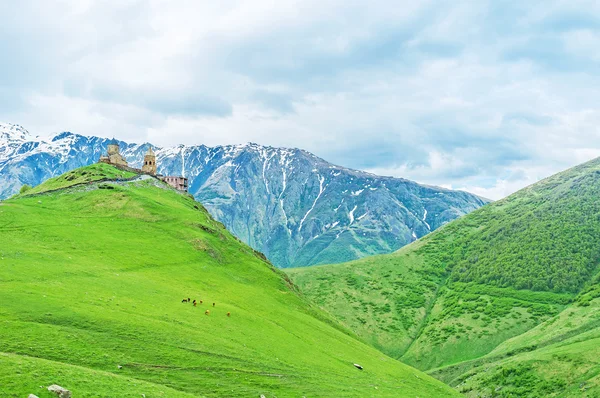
[[207, 312]]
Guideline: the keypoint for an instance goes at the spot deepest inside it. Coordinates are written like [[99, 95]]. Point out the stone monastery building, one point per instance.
[[114, 157], [149, 166]]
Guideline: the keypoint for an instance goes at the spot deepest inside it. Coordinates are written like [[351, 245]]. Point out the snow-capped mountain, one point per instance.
[[291, 205]]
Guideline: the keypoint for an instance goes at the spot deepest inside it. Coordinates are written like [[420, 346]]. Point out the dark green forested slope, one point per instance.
[[460, 292], [92, 277]]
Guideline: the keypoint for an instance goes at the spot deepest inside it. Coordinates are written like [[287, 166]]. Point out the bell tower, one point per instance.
[[113, 147], [149, 162]]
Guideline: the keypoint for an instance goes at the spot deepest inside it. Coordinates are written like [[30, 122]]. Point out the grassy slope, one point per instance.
[[93, 278], [95, 172], [382, 298], [460, 292], [557, 358]]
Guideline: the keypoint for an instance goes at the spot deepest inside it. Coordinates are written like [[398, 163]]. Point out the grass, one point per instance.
[[93, 173], [563, 349], [412, 313], [384, 299], [92, 280], [473, 291], [558, 358]]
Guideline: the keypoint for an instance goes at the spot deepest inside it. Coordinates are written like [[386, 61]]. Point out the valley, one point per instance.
[[474, 303]]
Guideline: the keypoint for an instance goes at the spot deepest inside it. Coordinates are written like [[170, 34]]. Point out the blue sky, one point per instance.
[[486, 96]]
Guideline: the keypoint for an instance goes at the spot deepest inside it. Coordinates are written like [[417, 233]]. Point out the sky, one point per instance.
[[484, 96]]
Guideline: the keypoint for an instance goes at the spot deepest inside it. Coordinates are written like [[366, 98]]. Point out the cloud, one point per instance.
[[570, 21], [519, 118], [278, 102], [486, 96], [166, 102]]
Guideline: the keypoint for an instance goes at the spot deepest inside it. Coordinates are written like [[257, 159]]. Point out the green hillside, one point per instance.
[[92, 278], [556, 358], [475, 284], [85, 175]]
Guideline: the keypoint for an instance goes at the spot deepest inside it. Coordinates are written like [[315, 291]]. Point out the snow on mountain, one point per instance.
[[10, 132], [291, 205]]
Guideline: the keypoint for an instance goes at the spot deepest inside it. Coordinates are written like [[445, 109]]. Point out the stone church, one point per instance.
[[149, 166], [114, 156]]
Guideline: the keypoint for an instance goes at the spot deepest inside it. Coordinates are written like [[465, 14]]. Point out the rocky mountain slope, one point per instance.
[[291, 205], [93, 273], [502, 302]]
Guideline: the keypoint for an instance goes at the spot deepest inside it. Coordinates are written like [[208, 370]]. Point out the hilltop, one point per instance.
[[291, 205], [473, 302], [93, 269]]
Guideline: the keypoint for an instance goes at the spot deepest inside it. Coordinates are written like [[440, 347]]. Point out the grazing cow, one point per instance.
[[189, 300], [207, 312], [195, 303], [184, 301], [213, 304], [201, 301], [229, 314]]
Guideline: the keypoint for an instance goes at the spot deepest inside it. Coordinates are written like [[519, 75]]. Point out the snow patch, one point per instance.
[[182, 164], [321, 189], [266, 158], [340, 205], [351, 214]]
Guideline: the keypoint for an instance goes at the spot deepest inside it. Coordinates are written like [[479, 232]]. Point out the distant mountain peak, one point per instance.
[[286, 202], [13, 132], [62, 136]]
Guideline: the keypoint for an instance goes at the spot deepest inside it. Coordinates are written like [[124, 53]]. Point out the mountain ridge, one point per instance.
[[293, 206]]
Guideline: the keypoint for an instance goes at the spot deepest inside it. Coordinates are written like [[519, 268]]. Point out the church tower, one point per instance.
[[114, 156], [149, 162], [113, 147]]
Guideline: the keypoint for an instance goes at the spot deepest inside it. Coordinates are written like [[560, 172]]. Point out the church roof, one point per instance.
[[113, 142]]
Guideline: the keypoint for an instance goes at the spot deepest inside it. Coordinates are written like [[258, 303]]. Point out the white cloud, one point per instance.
[[487, 96]]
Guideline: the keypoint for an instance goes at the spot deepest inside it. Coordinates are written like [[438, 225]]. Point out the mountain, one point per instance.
[[502, 301], [287, 203], [94, 267]]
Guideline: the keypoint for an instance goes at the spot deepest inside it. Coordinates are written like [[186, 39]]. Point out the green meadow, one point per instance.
[[92, 277]]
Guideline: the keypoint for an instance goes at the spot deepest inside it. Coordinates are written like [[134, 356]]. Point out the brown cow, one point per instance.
[[207, 312], [229, 314]]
